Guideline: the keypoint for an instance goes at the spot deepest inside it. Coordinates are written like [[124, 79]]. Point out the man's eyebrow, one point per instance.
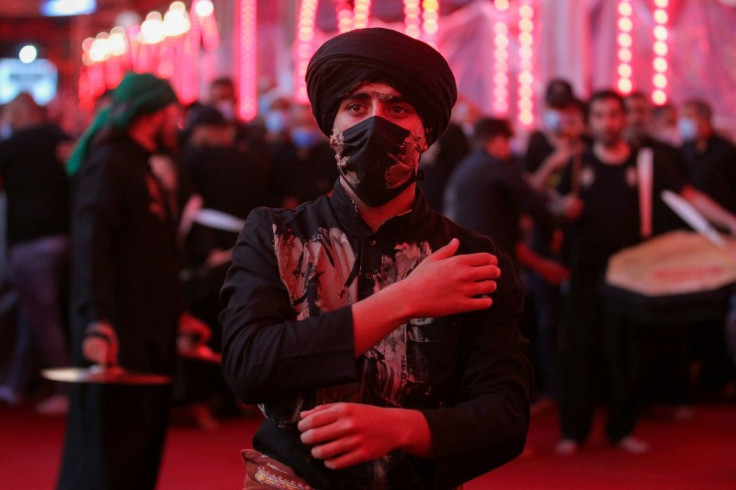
[[392, 98]]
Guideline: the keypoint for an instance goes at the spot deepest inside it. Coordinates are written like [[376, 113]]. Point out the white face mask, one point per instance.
[[227, 109], [552, 121], [688, 128]]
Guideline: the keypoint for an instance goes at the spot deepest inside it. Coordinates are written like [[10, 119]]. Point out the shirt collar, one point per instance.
[[350, 220]]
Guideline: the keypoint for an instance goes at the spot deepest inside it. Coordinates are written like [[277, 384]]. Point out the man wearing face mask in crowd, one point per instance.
[[303, 163], [562, 138], [248, 137], [709, 157], [381, 339]]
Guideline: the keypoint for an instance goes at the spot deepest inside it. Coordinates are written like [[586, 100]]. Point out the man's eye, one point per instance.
[[397, 109], [354, 107]]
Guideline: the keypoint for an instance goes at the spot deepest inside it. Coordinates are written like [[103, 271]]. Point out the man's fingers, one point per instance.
[[335, 448], [482, 287], [345, 460], [447, 251], [318, 417], [482, 273], [476, 260]]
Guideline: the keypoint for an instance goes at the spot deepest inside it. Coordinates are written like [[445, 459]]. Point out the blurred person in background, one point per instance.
[[710, 159], [222, 184], [302, 161], [126, 302], [37, 189]]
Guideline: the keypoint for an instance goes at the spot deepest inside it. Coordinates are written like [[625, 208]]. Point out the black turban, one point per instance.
[[412, 67]]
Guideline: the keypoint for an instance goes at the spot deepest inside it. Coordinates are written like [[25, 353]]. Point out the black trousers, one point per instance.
[[600, 359], [115, 436]]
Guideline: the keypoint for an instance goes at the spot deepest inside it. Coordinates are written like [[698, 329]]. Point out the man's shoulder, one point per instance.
[[471, 241]]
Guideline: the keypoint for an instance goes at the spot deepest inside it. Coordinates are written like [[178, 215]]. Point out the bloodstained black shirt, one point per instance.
[[288, 342]]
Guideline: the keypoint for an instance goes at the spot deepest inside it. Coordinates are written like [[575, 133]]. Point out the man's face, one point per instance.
[[379, 99], [167, 136], [500, 147], [702, 125], [607, 121], [221, 93], [637, 115]]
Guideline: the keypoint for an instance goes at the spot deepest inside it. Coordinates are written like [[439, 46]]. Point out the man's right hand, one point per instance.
[[100, 345], [445, 284]]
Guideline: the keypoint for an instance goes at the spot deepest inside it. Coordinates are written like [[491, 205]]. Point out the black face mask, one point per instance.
[[374, 158]]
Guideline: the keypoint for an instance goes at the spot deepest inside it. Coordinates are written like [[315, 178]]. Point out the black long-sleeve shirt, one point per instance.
[[36, 185], [124, 258], [288, 342], [488, 195]]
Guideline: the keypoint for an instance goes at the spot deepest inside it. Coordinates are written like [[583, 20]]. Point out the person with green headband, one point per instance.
[[126, 306]]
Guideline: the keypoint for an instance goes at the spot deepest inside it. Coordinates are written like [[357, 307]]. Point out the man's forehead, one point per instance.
[[378, 90]]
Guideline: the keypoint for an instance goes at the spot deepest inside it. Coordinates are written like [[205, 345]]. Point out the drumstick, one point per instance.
[[692, 217]]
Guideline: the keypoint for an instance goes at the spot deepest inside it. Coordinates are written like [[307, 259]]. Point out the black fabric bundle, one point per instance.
[[412, 67]]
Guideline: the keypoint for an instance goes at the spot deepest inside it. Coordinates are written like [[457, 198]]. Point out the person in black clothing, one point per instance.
[[221, 183], [379, 337], [37, 189], [595, 346], [638, 134], [710, 158], [126, 302], [438, 163], [711, 166], [487, 192], [302, 161]]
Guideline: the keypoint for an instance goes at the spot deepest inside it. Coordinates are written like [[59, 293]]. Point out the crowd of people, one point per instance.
[[154, 203]]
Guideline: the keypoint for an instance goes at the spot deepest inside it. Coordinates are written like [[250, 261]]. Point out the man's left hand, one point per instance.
[[345, 434]]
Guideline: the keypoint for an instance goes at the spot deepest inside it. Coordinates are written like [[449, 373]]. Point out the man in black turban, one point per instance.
[[379, 338]]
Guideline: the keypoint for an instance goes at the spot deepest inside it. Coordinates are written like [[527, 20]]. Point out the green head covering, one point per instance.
[[138, 93]]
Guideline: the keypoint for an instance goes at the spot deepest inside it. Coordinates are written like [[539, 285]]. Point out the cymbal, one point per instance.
[[101, 375], [201, 353]]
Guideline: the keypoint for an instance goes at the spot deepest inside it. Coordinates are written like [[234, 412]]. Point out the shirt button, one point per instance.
[[372, 242], [369, 276]]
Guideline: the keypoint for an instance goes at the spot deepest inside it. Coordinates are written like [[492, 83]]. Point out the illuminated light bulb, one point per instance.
[[660, 16], [118, 42], [659, 97], [204, 8], [100, 50], [624, 54], [176, 20], [625, 24], [361, 11], [660, 33], [28, 54], [625, 85], [660, 64], [663, 4], [624, 71], [624, 40], [659, 80], [152, 31]]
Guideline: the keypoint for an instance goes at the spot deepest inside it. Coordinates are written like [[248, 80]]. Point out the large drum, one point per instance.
[[676, 277]]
